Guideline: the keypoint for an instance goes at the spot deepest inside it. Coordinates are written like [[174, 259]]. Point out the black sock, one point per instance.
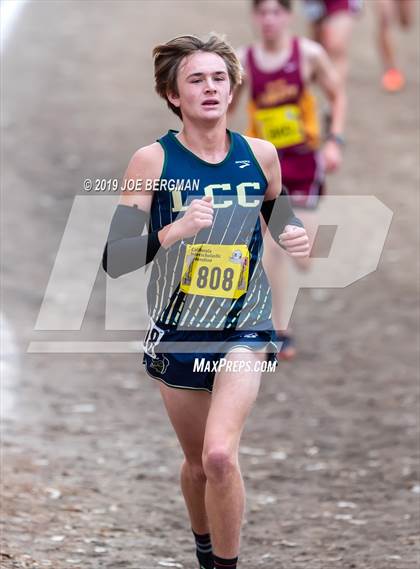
[[222, 563], [204, 550]]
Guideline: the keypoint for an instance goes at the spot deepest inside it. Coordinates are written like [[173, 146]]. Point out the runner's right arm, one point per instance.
[[126, 248]]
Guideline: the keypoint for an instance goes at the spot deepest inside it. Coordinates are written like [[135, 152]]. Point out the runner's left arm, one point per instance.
[[325, 75], [286, 229]]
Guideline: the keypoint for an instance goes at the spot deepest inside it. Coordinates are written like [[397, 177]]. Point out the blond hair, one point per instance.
[[168, 57]]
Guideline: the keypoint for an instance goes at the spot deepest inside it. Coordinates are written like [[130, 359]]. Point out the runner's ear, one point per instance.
[[173, 98]]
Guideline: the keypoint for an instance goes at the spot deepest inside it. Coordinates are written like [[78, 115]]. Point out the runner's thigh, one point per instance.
[[187, 411], [336, 31], [234, 393]]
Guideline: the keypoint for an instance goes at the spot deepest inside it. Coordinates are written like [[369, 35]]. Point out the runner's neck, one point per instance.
[[210, 144], [273, 57], [281, 44]]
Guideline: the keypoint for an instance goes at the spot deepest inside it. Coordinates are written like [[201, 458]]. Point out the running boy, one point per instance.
[[332, 24], [207, 286]]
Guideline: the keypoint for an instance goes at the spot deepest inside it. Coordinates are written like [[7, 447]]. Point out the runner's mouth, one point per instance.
[[210, 103]]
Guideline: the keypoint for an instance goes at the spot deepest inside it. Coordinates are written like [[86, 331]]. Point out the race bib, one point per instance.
[[215, 270], [282, 126]]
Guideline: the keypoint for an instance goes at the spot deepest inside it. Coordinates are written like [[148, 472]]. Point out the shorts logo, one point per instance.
[[243, 163], [152, 339], [160, 364]]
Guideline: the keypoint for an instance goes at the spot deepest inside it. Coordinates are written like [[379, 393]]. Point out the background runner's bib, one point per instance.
[[280, 108], [282, 126], [216, 270]]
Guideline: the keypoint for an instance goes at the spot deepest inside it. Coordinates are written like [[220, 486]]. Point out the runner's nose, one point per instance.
[[210, 86]]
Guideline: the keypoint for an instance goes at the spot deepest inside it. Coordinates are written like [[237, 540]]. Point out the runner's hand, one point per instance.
[[332, 156], [199, 215], [295, 241]]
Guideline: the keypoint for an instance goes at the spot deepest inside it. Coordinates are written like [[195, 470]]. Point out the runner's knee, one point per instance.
[[219, 465], [195, 471], [405, 19], [385, 17]]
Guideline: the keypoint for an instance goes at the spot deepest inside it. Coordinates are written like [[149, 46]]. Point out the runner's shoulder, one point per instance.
[[145, 164], [265, 152], [147, 161], [310, 49]]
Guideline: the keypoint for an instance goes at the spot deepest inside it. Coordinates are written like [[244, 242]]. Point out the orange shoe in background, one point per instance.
[[393, 80]]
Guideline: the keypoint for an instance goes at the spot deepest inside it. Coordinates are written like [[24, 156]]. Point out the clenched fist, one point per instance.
[[295, 241], [199, 215]]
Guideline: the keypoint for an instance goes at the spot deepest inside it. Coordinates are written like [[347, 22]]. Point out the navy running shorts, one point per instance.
[[191, 368]]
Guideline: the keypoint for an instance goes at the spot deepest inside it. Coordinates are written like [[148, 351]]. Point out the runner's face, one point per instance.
[[271, 19], [203, 87]]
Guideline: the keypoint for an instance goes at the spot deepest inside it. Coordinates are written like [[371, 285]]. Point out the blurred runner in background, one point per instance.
[[332, 25], [278, 71], [389, 13]]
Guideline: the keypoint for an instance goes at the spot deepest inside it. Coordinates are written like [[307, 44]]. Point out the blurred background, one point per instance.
[[90, 462]]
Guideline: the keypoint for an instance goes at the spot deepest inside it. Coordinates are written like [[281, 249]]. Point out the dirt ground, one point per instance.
[[90, 462]]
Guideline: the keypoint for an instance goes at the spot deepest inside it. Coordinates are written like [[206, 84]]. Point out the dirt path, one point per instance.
[[90, 462]]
